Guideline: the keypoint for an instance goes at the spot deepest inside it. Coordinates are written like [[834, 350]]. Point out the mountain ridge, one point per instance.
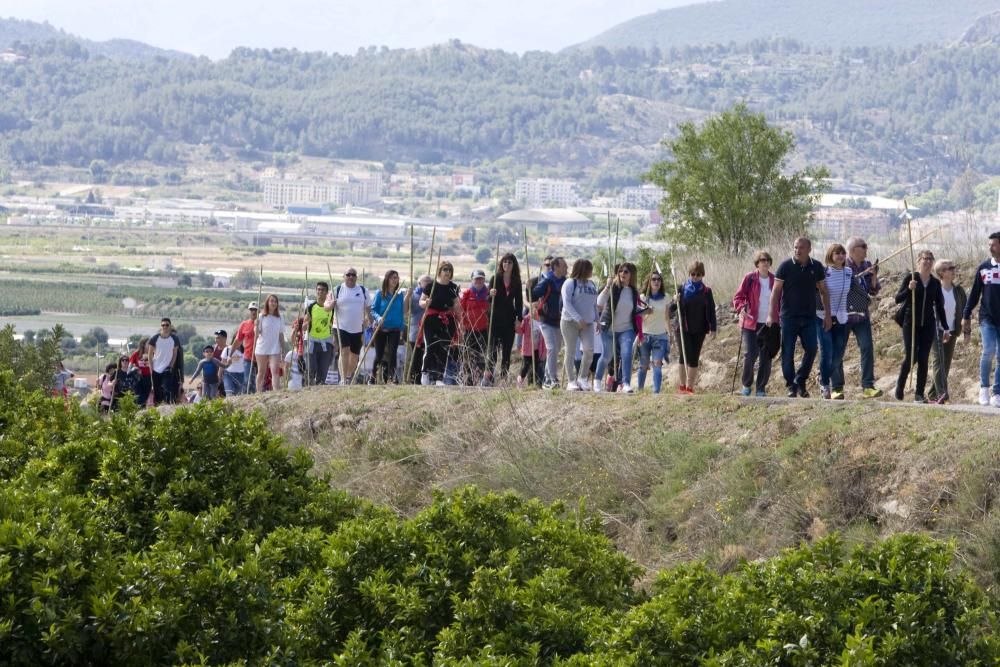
[[15, 31], [833, 23]]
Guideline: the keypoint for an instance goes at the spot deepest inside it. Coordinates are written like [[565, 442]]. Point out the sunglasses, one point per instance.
[[656, 280], [624, 271], [697, 275], [839, 252], [350, 275]]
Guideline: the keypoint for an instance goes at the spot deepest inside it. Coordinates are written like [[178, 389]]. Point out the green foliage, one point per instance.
[[726, 184], [196, 537], [32, 360]]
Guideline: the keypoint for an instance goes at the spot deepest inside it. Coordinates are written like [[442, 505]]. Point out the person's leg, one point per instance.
[[695, 343], [825, 339], [658, 352], [262, 361], [211, 390], [626, 343], [750, 354], [605, 358], [938, 372], [807, 329], [866, 347], [570, 337], [157, 383], [764, 363], [839, 340], [789, 334], [645, 360], [553, 343], [925, 339], [586, 357], [904, 368], [989, 334], [389, 359], [506, 345], [274, 363], [435, 350], [324, 361], [378, 369], [949, 354]]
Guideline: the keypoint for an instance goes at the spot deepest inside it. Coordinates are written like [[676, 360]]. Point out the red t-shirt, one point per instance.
[[246, 334], [140, 361]]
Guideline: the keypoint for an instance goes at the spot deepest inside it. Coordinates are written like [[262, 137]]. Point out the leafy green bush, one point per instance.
[[197, 537], [32, 361]]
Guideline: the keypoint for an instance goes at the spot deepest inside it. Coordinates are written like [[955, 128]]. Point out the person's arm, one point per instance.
[[824, 292], [973, 300], [742, 297], [713, 324], [903, 293], [197, 369], [331, 303], [772, 311], [518, 303], [569, 308], [150, 351], [538, 291], [942, 317]]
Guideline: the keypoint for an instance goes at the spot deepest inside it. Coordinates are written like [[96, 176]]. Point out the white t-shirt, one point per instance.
[[838, 284], [235, 359], [163, 353], [268, 340], [351, 302], [295, 375], [949, 306], [765, 299], [655, 322], [623, 310]]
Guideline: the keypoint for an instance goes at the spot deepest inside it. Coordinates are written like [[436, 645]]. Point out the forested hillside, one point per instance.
[[14, 33], [827, 23], [912, 113]]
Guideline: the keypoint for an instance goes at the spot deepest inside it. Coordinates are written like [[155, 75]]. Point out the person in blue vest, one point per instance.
[[547, 293], [986, 288]]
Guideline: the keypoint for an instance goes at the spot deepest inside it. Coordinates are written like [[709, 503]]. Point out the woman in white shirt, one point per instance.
[[232, 362], [655, 345], [270, 342], [832, 343], [955, 299]]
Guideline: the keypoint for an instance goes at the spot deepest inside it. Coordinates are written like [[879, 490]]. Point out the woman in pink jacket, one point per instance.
[[752, 301]]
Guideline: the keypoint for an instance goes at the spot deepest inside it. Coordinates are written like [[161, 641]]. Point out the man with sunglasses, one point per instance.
[[548, 294], [162, 356], [859, 320], [986, 287], [350, 303]]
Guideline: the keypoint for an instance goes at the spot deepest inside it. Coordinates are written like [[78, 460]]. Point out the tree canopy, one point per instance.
[[726, 183]]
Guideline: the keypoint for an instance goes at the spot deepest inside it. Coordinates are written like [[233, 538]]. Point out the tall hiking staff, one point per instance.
[[302, 331], [423, 318], [531, 325], [493, 301], [913, 297], [409, 316], [336, 326], [256, 331], [408, 366], [613, 260], [378, 327], [680, 316], [894, 253]]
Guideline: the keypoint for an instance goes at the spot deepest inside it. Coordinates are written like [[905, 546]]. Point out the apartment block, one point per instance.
[[540, 192]]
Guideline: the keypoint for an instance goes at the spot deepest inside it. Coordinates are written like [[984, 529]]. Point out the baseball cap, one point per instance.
[[221, 332], [252, 305], [478, 273]]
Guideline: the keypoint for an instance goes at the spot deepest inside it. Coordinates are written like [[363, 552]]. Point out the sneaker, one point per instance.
[[745, 391], [425, 379], [919, 399], [609, 383], [440, 383], [793, 391], [871, 392], [549, 385], [824, 390], [760, 393], [572, 386], [582, 385], [899, 392], [626, 388], [941, 400], [803, 393], [995, 401], [520, 383], [597, 386], [984, 396], [837, 394]]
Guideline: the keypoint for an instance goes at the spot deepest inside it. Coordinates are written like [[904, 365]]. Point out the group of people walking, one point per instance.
[[573, 333]]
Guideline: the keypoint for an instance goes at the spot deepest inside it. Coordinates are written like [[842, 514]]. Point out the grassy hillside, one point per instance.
[[673, 478], [832, 23]]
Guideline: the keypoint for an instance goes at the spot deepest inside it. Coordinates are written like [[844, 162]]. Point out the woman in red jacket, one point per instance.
[[752, 301], [475, 326]]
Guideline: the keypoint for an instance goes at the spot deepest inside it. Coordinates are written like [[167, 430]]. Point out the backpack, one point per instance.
[[364, 292], [542, 310]]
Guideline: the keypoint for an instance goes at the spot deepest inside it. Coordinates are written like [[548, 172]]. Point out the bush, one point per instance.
[[196, 537]]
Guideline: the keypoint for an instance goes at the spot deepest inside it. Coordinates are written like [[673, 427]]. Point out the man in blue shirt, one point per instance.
[[796, 282]]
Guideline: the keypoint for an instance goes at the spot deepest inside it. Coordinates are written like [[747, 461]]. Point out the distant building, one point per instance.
[[465, 184], [538, 192], [287, 190], [646, 197], [561, 220]]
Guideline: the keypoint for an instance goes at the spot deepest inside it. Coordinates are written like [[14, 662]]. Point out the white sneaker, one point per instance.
[[626, 388], [583, 385], [825, 391], [984, 396], [425, 379], [572, 386], [995, 401], [549, 385], [440, 383], [597, 386]]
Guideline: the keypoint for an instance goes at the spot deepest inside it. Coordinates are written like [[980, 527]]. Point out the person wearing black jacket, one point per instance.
[[925, 290], [507, 302]]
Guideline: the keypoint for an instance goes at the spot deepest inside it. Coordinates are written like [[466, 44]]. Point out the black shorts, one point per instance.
[[691, 349], [352, 341]]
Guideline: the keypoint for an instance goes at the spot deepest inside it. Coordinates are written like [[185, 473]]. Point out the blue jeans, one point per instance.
[[233, 383], [657, 348], [803, 329], [625, 340], [832, 344], [862, 331], [991, 352], [249, 377]]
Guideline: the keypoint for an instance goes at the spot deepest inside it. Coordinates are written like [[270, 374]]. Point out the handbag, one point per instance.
[[858, 299]]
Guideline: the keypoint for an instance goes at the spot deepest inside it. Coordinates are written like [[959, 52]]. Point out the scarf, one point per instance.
[[693, 289]]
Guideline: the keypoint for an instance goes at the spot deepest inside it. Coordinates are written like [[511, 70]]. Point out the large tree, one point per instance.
[[727, 184]]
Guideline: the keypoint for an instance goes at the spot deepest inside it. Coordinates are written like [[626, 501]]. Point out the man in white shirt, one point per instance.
[[162, 353], [349, 303]]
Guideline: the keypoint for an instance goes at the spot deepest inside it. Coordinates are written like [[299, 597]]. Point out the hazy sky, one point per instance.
[[214, 27]]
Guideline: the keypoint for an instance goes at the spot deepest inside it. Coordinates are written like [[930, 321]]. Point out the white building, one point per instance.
[[343, 188], [646, 197], [539, 192]]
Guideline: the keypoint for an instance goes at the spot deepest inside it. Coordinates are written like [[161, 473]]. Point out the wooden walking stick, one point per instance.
[[680, 316], [493, 300], [336, 326], [256, 330], [913, 299], [423, 318], [364, 350], [409, 316], [408, 366], [302, 331], [531, 327], [613, 260], [896, 252]]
